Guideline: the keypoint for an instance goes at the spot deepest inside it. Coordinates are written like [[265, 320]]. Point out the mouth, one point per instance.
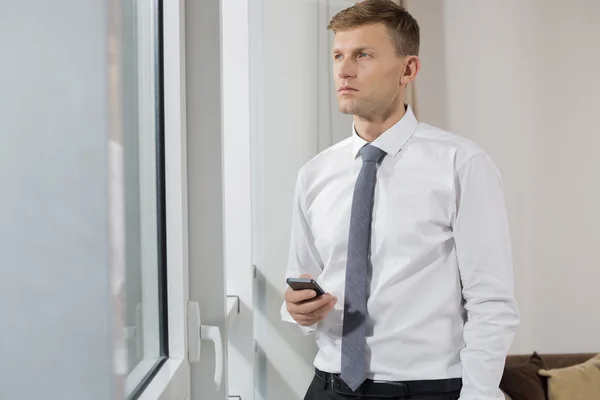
[[347, 89]]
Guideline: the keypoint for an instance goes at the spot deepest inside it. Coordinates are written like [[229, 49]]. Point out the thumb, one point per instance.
[[309, 276]]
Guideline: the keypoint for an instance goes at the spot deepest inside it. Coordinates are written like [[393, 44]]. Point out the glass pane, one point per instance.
[[139, 146]]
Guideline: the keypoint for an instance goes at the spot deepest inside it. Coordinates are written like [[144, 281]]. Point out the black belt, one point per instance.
[[386, 389]]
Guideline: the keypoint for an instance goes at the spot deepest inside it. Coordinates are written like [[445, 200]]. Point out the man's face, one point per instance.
[[367, 72]]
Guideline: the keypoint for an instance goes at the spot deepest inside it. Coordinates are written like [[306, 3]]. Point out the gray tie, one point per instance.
[[354, 342]]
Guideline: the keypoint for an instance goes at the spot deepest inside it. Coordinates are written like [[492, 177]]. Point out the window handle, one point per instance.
[[198, 333], [213, 333]]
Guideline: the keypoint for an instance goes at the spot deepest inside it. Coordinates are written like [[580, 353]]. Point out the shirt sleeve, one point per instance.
[[303, 255], [483, 249]]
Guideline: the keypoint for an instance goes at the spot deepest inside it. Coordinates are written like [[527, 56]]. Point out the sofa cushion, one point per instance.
[[577, 382], [522, 381], [552, 360]]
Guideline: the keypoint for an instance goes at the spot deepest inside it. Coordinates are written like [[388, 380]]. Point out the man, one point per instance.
[[404, 226]]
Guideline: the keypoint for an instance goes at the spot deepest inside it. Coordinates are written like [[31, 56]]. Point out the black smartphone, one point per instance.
[[305, 283]]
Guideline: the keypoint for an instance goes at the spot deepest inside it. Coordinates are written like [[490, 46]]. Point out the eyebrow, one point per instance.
[[356, 50]]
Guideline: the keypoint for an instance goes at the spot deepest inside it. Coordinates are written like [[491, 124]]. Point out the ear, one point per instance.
[[412, 64]]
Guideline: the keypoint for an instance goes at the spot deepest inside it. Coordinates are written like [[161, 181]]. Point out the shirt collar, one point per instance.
[[392, 140]]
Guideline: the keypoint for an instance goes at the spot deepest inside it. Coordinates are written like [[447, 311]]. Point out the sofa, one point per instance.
[[552, 377]]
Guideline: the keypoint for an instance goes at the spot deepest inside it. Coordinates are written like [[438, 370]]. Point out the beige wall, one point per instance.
[[520, 77]]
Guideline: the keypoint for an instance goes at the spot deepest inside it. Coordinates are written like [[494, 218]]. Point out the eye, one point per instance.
[[337, 56], [363, 55]]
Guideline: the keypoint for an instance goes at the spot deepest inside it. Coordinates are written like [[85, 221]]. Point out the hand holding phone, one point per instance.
[[306, 302]]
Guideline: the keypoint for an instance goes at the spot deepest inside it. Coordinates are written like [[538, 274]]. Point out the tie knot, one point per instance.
[[371, 153]]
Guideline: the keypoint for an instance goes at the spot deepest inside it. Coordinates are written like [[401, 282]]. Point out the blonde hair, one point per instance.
[[403, 29]]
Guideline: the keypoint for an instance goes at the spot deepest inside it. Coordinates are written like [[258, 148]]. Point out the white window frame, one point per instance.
[[147, 325], [172, 381], [148, 333]]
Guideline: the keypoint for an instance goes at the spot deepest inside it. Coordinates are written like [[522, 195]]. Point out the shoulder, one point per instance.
[[323, 161], [463, 149]]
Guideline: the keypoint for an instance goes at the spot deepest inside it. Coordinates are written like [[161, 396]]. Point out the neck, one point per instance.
[[370, 128]]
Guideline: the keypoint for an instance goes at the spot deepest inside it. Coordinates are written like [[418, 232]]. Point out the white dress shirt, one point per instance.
[[441, 287]]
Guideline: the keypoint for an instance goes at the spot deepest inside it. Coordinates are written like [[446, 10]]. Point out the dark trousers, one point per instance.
[[319, 390]]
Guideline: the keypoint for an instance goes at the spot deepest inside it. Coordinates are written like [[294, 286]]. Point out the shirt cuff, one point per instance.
[[286, 317]]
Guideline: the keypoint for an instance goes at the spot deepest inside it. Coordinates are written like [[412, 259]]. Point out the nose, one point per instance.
[[346, 68]]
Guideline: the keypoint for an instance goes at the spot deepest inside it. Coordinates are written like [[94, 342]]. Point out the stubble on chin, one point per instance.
[[349, 108], [344, 109]]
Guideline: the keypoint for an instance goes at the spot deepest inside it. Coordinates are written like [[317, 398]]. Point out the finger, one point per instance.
[[298, 296], [309, 276], [307, 322], [326, 309], [307, 306], [303, 319], [313, 305], [315, 316], [331, 305]]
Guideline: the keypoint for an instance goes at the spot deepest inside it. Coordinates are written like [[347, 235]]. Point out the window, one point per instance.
[[141, 147], [85, 151], [152, 72]]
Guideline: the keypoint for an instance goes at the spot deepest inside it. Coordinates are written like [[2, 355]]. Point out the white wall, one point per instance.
[[57, 314], [520, 78], [287, 138], [567, 215]]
